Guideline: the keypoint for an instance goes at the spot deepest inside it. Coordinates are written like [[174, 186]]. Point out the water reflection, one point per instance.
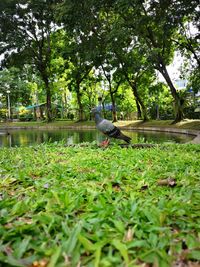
[[31, 137]]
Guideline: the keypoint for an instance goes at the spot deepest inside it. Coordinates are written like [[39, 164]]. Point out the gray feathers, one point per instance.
[[105, 126]]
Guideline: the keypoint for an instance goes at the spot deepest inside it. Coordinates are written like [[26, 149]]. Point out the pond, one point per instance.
[[38, 136]]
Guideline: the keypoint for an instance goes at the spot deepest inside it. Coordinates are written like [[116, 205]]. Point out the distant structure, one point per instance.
[[180, 84]]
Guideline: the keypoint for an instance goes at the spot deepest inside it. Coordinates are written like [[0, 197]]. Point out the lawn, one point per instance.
[[84, 206]]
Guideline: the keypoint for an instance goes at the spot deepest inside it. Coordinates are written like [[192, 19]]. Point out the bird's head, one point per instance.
[[96, 110]]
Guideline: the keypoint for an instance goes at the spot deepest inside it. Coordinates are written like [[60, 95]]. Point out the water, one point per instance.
[[33, 136]]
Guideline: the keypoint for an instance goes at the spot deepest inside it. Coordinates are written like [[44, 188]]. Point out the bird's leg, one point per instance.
[[105, 143]]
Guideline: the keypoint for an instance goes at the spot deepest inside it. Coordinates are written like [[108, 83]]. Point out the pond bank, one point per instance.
[[189, 127], [194, 133]]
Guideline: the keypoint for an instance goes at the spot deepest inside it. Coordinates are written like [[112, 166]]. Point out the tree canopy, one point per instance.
[[117, 44]]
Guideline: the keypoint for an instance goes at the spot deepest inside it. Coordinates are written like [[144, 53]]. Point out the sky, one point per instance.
[[174, 68]]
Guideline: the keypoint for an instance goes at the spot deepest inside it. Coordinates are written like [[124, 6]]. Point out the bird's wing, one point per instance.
[[105, 126]]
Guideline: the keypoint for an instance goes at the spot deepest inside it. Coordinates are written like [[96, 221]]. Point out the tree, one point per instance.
[[26, 29], [187, 17], [152, 23], [16, 82], [134, 68], [91, 36], [79, 72], [91, 90]]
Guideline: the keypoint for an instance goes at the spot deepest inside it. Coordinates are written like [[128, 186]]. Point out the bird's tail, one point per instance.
[[124, 137]]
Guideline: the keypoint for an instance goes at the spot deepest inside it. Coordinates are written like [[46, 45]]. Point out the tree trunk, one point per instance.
[[48, 106], [114, 112], [80, 106], [34, 114], [41, 113], [157, 112], [178, 101], [139, 112], [139, 100], [48, 94], [104, 110]]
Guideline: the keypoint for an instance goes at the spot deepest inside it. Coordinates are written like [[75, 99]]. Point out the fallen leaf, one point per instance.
[[40, 263], [8, 225], [46, 186], [180, 263], [116, 186], [193, 264], [25, 220], [8, 250], [67, 259], [168, 182], [129, 235]]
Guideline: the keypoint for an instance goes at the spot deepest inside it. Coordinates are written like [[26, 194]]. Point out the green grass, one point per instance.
[[84, 206]]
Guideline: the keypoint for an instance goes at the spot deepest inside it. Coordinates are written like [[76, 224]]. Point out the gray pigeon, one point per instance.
[[107, 128]]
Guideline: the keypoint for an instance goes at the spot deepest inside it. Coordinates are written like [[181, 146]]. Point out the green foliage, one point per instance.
[[69, 206], [160, 98], [67, 42], [194, 80], [14, 80]]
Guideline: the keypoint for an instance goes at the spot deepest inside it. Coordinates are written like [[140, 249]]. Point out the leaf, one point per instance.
[[97, 255], [137, 243], [122, 249], [54, 257], [88, 245], [22, 247], [20, 262], [72, 240], [19, 208], [153, 239], [194, 255], [192, 242], [149, 256], [119, 225]]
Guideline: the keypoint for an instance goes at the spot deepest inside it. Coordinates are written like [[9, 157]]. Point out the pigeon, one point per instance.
[[107, 128]]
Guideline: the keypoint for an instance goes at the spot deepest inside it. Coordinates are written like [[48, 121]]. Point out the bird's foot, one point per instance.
[[105, 143]]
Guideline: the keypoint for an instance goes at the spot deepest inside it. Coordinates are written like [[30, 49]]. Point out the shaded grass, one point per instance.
[[84, 206]]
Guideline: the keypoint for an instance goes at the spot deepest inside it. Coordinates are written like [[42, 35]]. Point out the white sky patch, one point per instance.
[[1, 57], [174, 68]]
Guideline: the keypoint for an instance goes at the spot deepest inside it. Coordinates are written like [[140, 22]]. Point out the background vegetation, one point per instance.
[[62, 57]]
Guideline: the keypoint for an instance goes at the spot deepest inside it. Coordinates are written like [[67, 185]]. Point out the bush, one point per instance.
[[26, 117], [190, 113], [3, 112]]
